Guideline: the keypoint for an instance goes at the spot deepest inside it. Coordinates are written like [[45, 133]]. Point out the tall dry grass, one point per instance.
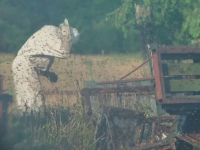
[[57, 129], [63, 128]]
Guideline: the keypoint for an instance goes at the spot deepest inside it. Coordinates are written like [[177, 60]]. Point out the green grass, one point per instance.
[[58, 129]]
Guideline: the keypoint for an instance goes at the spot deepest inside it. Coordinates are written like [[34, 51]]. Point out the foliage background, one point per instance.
[[169, 22]]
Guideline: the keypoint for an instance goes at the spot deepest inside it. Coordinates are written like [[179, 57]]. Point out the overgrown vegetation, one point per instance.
[[58, 129]]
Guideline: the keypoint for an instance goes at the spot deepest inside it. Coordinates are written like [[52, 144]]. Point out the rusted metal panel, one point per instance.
[[145, 89], [118, 128], [183, 85], [190, 130], [161, 145], [193, 138], [130, 130], [134, 83], [125, 81], [159, 79], [173, 83], [169, 90], [181, 69]]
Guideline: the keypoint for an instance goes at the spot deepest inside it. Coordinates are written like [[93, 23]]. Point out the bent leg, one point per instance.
[[27, 85]]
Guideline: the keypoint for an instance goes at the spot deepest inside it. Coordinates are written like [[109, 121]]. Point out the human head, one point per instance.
[[65, 29]]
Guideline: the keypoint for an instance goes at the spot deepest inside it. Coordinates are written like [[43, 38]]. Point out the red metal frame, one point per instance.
[[159, 79], [158, 71], [158, 55]]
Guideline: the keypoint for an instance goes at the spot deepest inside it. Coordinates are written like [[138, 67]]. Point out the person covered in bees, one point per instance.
[[35, 58]]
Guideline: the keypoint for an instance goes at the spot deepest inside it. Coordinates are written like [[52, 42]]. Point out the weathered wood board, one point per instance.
[[180, 56], [182, 85], [181, 69]]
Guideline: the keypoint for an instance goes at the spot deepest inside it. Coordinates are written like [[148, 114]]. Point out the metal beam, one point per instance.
[[126, 81], [158, 74], [135, 69], [146, 89]]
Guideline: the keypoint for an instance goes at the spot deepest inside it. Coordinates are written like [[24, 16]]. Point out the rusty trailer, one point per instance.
[[174, 82], [177, 78], [120, 128], [172, 89], [127, 129]]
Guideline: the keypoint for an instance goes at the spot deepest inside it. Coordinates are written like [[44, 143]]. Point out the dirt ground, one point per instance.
[[76, 68]]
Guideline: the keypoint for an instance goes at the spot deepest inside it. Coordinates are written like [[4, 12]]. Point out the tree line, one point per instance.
[[119, 26]]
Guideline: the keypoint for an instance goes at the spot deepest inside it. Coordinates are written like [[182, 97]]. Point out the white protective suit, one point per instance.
[[38, 54]]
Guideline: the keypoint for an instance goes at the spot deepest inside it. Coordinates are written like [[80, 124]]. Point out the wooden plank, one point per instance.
[[192, 96], [182, 85], [179, 56], [178, 50], [187, 96], [181, 69]]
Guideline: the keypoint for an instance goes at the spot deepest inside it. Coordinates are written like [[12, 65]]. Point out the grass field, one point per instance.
[[77, 68], [62, 129]]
